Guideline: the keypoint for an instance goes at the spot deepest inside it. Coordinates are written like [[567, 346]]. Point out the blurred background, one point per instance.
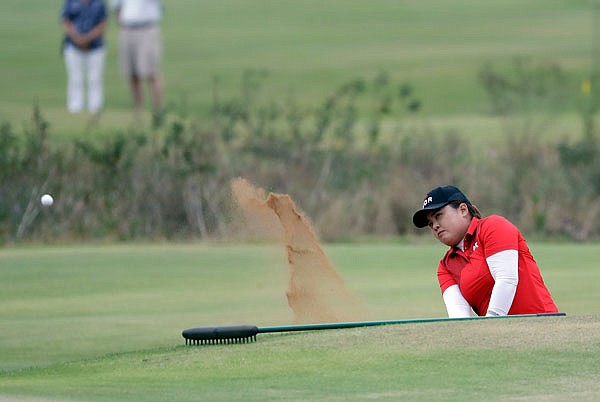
[[356, 109]]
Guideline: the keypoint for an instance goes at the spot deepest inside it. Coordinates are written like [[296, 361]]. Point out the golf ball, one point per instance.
[[47, 200]]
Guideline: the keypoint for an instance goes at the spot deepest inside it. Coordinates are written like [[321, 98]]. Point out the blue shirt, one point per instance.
[[85, 16]]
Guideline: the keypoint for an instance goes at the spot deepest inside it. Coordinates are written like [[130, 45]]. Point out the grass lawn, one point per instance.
[[309, 48], [104, 322]]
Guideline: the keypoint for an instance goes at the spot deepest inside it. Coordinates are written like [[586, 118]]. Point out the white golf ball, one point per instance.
[[47, 200]]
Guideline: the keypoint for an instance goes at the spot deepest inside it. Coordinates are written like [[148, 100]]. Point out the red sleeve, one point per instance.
[[498, 234], [445, 278]]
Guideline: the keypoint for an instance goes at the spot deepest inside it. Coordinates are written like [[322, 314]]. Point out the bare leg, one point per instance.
[[136, 93], [157, 93], [156, 86]]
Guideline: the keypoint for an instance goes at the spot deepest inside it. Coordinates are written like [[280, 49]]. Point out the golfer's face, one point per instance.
[[448, 224]]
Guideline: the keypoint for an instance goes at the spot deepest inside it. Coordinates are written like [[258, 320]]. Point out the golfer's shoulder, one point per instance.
[[495, 223]]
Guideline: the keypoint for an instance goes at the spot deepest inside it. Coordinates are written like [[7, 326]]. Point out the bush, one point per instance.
[[351, 177]]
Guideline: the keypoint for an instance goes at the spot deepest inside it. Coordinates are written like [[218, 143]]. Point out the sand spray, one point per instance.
[[316, 292]]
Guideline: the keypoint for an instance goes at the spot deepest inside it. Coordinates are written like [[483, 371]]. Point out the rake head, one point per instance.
[[220, 335]]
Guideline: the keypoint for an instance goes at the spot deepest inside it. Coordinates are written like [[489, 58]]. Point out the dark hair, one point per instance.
[[473, 210]]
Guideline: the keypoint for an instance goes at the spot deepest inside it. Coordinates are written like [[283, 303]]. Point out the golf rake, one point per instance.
[[247, 333]]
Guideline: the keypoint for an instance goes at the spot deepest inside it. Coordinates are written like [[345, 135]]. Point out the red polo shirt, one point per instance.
[[469, 270]]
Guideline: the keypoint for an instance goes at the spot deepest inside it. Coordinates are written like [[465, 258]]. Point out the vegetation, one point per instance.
[[353, 110], [341, 160]]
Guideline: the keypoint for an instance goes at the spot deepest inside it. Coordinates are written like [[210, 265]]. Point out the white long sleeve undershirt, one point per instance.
[[456, 305], [504, 267]]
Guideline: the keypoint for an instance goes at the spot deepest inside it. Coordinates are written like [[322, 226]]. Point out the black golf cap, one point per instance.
[[437, 198]]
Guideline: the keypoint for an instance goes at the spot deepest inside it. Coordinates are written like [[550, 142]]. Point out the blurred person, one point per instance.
[[488, 268], [84, 23], [140, 49]]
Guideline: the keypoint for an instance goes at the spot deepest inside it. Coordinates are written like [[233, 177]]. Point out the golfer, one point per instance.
[[488, 268]]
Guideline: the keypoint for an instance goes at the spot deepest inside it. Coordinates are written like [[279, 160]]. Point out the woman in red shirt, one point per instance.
[[488, 268]]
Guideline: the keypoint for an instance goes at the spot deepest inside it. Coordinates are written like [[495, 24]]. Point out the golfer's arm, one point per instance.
[[456, 305], [504, 267]]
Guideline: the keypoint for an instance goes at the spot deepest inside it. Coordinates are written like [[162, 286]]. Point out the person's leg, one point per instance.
[[149, 47], [95, 69], [128, 57], [158, 113], [136, 92], [156, 81], [74, 66], [156, 85]]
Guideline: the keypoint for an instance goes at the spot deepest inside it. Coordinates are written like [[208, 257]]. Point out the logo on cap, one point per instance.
[[427, 201]]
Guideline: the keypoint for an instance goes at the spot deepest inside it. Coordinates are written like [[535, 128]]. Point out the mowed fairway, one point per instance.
[[309, 48], [103, 323]]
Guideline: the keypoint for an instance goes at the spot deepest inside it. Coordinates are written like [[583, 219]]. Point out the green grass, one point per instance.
[[103, 323], [309, 48]]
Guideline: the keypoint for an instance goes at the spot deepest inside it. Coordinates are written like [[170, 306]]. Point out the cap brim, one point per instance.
[[420, 217]]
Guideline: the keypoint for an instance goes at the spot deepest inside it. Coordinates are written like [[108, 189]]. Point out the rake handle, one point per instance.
[[241, 332], [356, 324]]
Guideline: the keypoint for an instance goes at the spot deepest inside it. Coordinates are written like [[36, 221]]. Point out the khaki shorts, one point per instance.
[[140, 51]]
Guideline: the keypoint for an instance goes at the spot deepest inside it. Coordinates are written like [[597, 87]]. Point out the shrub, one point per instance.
[[351, 176]]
